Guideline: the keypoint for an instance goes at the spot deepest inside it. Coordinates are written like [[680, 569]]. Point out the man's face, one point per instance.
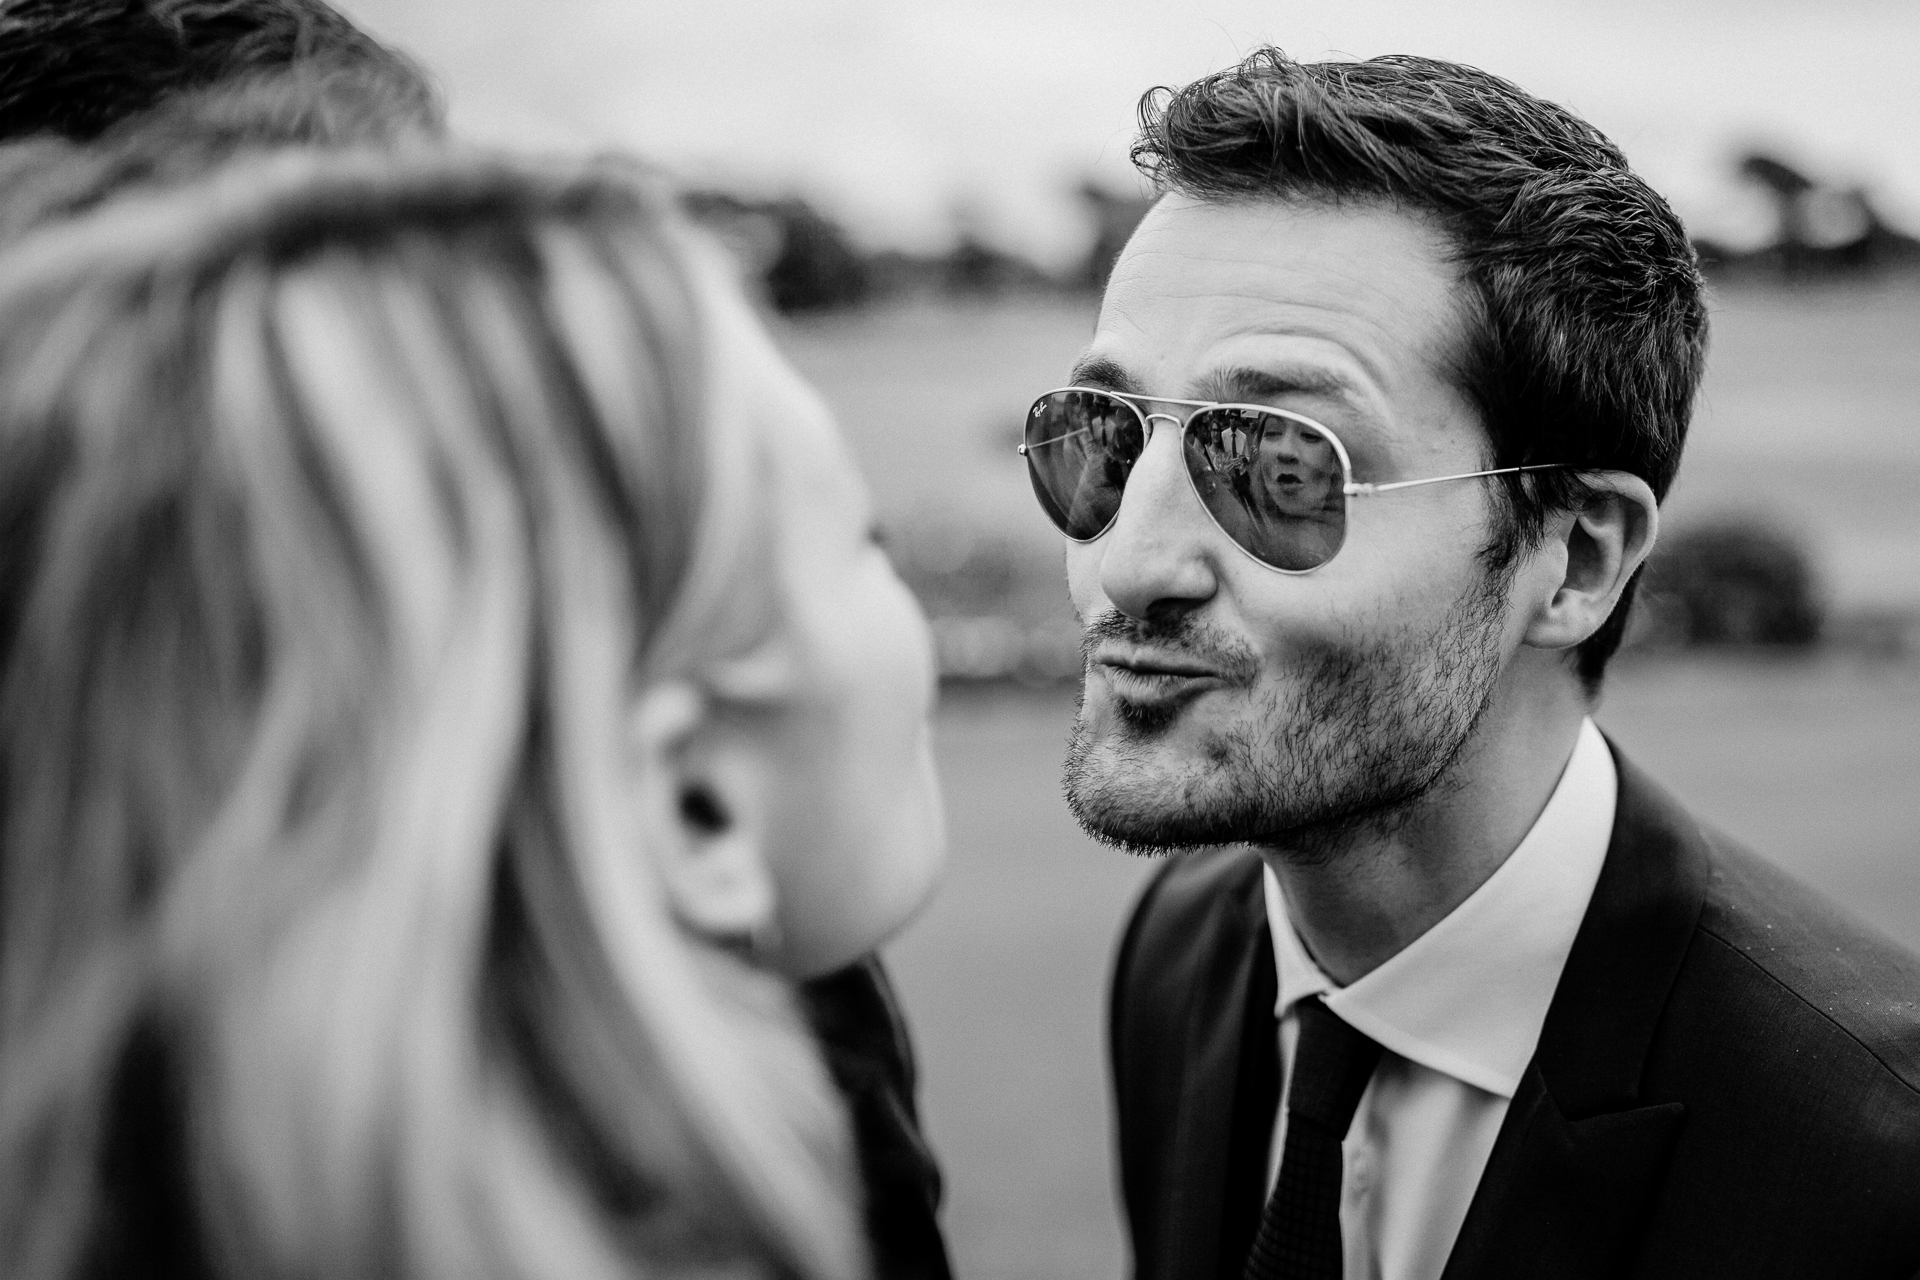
[[1225, 701]]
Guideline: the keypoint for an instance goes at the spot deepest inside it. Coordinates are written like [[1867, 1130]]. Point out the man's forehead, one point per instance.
[[1226, 299]]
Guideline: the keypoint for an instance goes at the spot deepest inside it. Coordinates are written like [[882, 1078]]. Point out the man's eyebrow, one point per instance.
[[1098, 371], [1226, 385], [1258, 385]]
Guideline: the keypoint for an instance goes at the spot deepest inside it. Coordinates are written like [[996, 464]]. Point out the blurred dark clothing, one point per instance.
[[858, 1021], [1727, 1084], [150, 1227]]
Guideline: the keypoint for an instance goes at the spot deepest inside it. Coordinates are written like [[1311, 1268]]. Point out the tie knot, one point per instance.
[[1331, 1066]]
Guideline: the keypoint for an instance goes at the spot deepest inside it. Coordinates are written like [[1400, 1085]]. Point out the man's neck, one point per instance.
[[1359, 903]]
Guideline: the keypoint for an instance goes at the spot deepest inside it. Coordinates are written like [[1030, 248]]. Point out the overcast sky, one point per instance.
[[903, 117]]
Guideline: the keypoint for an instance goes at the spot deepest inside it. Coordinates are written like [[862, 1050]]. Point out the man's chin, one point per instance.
[[1137, 791], [1114, 819]]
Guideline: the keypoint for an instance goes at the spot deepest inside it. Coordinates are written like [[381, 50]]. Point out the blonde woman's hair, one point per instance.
[[345, 502]]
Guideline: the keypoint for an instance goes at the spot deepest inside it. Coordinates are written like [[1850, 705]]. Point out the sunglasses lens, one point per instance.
[[1274, 483], [1080, 447]]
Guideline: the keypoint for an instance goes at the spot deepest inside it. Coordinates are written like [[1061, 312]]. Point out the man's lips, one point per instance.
[[1151, 674], [1153, 662]]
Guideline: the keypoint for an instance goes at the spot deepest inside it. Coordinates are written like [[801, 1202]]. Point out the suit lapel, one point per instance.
[[1225, 1083], [1563, 1198], [1580, 1155], [1256, 1100]]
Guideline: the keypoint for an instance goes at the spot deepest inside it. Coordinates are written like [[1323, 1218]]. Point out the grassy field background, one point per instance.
[[1809, 414]]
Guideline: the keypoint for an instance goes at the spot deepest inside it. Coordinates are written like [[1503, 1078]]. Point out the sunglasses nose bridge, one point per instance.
[[1159, 473], [1149, 419]]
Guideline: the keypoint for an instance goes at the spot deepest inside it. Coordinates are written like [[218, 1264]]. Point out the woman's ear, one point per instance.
[[699, 790], [1605, 543]]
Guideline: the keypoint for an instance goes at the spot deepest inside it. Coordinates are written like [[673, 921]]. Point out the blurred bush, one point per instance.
[[818, 266], [1731, 582], [1114, 215], [804, 259]]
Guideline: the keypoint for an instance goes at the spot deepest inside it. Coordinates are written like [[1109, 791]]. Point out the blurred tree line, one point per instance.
[[807, 262], [1819, 230]]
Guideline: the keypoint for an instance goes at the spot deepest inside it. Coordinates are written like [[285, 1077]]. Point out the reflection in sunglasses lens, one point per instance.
[[1273, 483], [1081, 445]]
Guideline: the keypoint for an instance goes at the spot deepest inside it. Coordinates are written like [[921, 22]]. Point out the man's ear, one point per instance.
[[1604, 544], [698, 787]]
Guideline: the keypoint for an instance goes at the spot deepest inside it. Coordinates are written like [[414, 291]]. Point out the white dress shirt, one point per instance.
[[1458, 1013]]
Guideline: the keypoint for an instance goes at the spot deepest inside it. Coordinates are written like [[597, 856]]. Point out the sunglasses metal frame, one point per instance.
[[1349, 487]]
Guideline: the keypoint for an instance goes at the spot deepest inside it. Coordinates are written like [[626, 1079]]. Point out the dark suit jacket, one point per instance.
[[1727, 1083]]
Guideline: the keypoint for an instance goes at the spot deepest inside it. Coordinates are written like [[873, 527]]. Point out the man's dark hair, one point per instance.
[[1589, 325], [76, 68]]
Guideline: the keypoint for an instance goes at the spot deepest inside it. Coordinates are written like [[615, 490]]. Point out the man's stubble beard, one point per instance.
[[1358, 735]]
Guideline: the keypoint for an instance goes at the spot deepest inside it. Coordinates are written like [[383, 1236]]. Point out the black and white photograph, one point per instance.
[[959, 640]]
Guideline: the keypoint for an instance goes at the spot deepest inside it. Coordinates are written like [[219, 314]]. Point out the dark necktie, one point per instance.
[[1299, 1237]]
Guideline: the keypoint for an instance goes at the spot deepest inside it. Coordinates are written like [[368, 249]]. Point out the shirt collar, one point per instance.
[[1467, 998]]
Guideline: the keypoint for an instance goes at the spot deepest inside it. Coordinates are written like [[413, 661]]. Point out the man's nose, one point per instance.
[[1156, 557]]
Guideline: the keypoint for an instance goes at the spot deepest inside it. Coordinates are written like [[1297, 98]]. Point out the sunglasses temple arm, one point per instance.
[[1358, 489]]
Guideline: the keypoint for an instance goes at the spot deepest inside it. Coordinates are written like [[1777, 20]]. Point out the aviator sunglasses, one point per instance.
[[1276, 483]]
